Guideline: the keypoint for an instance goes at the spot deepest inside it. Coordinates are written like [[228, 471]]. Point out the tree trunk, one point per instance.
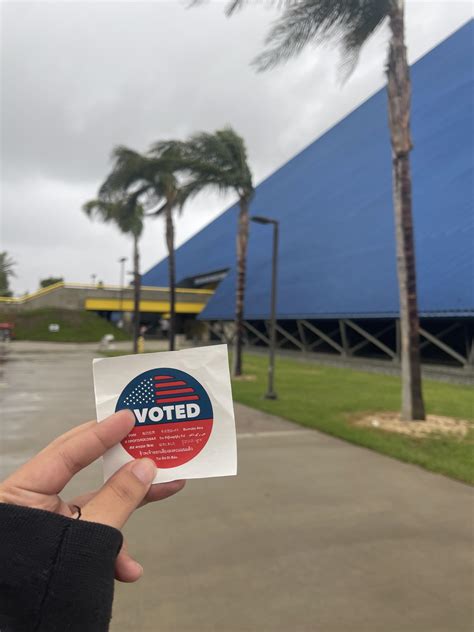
[[171, 272], [136, 294], [242, 241], [399, 89]]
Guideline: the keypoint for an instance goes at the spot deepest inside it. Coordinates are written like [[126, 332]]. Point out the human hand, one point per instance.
[[38, 483]]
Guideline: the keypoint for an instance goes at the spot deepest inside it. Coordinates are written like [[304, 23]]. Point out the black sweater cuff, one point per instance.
[[56, 573]]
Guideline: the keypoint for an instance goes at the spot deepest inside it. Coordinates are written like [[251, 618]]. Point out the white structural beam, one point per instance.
[[287, 335], [302, 334], [228, 329], [370, 338], [322, 335], [344, 338], [377, 335], [443, 346], [217, 331], [257, 333], [440, 334]]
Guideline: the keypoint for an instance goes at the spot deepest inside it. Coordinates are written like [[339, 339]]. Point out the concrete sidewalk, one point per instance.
[[314, 534]]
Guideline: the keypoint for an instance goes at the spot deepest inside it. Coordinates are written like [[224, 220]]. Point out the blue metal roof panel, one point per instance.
[[334, 204]]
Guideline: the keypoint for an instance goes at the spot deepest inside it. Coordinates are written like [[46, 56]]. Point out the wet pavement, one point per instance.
[[313, 533], [44, 392]]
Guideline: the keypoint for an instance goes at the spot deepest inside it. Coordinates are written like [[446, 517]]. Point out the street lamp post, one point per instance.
[[122, 281], [271, 394]]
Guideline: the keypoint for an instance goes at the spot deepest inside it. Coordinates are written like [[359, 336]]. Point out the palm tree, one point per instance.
[[152, 178], [6, 271], [351, 23], [127, 213], [219, 160]]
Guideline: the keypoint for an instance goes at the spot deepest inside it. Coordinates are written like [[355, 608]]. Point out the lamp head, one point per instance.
[[260, 219]]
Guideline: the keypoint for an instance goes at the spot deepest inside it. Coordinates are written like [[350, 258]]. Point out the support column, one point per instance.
[[346, 350], [470, 358], [398, 340], [302, 334], [469, 347]]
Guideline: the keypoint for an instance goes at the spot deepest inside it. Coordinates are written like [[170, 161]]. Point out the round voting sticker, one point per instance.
[[173, 417]]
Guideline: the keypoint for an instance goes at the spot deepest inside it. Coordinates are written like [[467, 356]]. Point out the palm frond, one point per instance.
[[100, 209], [6, 265], [229, 10], [170, 149], [233, 6], [128, 169], [150, 178], [218, 160], [127, 213], [348, 22]]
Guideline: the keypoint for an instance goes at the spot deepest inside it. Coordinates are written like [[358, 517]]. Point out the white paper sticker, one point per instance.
[[182, 403]]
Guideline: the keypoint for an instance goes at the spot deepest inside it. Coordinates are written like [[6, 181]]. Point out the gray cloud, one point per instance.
[[78, 78]]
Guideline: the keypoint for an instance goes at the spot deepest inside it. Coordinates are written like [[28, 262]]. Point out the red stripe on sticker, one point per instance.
[[175, 391], [166, 384], [169, 400], [163, 377]]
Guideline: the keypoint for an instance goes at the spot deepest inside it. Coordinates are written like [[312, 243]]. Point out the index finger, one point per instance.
[[50, 470]]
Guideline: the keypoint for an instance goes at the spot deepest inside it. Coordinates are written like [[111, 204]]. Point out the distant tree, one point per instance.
[[127, 213], [153, 178], [50, 281], [7, 266], [351, 23], [219, 160]]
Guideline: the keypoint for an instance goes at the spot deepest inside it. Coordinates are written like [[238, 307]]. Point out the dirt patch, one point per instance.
[[245, 378], [434, 424]]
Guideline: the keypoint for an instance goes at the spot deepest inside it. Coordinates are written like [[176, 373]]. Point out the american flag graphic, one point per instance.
[[160, 389]]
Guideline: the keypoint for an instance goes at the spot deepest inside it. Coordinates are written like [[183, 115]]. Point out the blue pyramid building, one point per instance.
[[334, 204]]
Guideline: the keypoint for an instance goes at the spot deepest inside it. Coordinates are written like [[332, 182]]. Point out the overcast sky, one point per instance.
[[81, 77]]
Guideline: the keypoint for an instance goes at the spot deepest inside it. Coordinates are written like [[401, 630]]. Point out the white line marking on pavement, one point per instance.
[[269, 433]]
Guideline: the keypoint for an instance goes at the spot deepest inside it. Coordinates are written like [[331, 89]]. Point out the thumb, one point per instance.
[[121, 494]]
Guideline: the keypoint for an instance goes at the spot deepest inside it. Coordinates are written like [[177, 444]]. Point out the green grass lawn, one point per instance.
[[75, 325], [326, 398]]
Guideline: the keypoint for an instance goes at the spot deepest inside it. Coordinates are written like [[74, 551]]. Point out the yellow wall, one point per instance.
[[115, 305]]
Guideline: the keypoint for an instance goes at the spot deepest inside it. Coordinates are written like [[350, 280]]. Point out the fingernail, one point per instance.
[[144, 470]]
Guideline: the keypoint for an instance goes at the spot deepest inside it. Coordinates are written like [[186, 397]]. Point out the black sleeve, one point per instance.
[[56, 573]]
